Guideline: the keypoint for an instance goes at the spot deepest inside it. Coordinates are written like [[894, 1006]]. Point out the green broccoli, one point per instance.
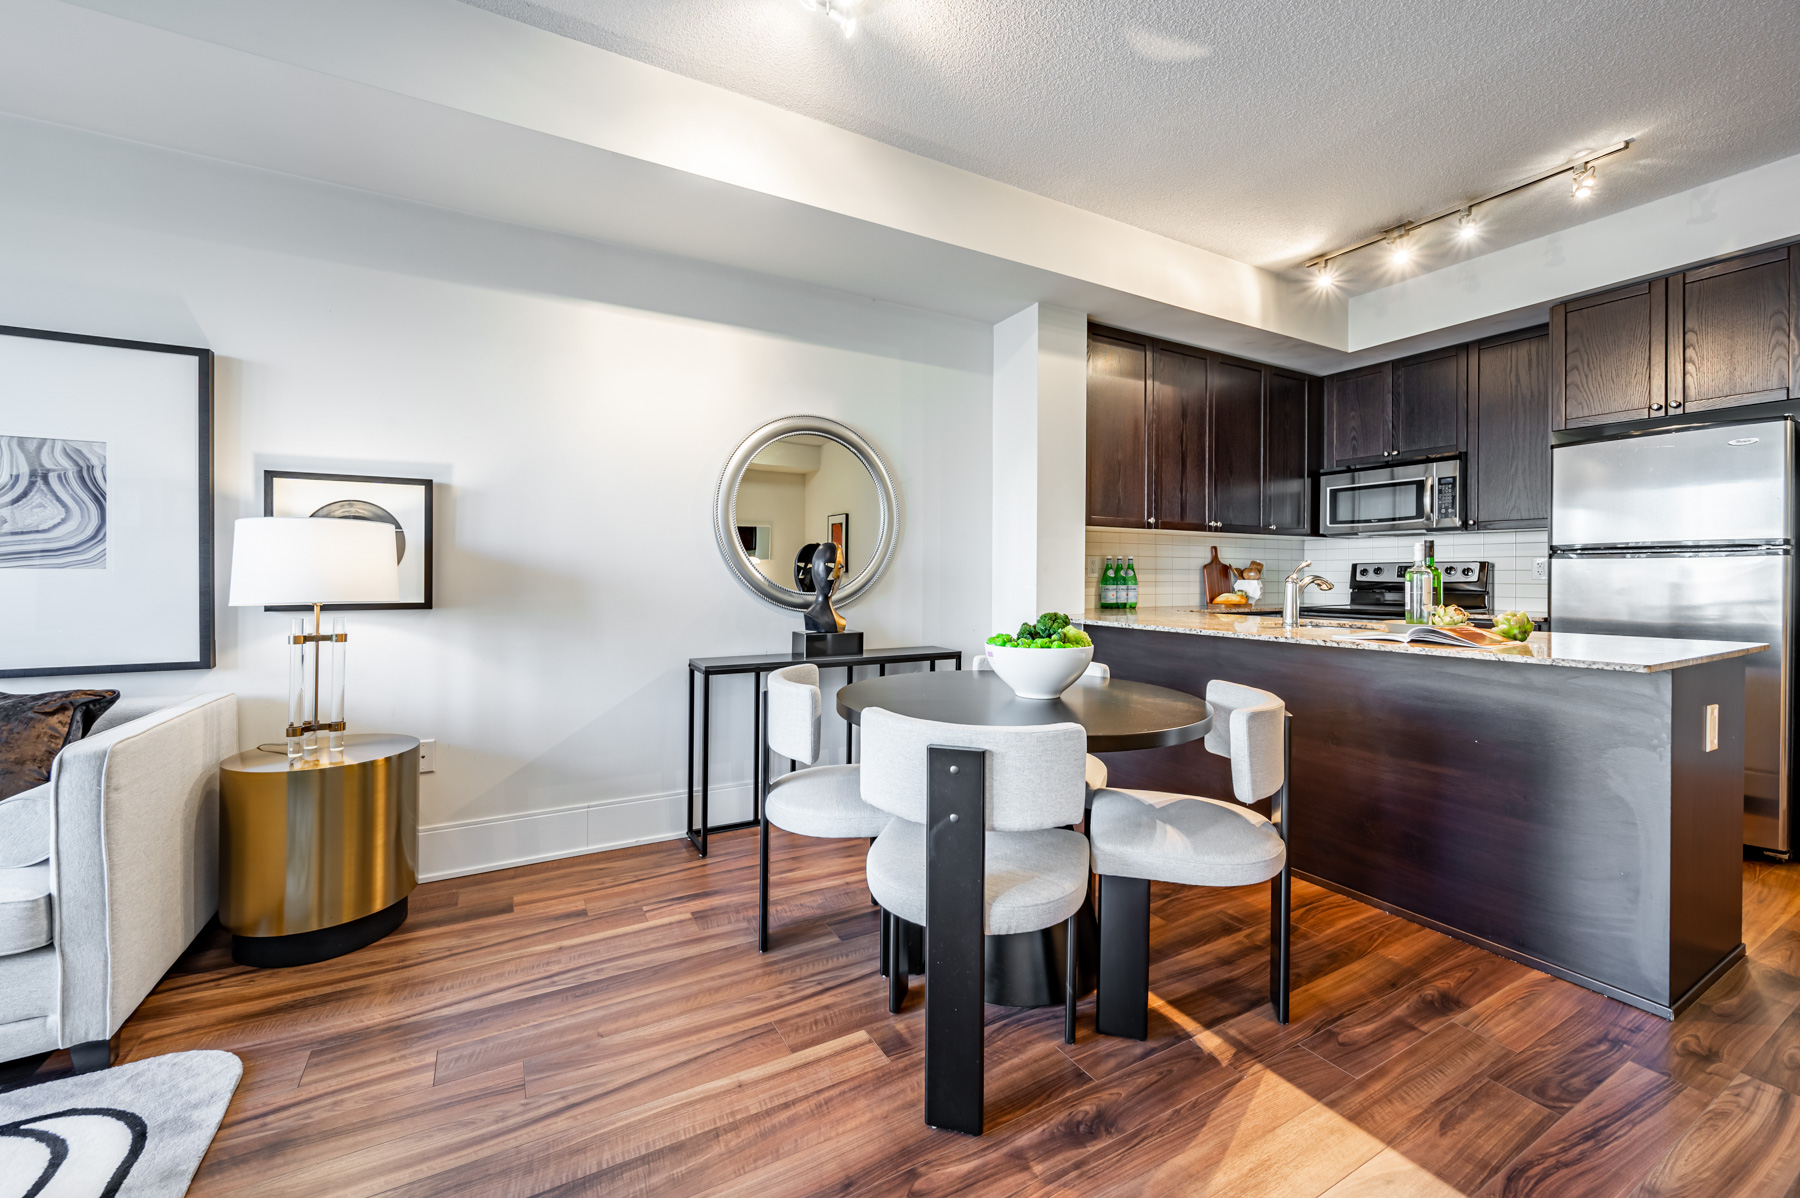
[[1027, 632], [1051, 623], [1076, 638]]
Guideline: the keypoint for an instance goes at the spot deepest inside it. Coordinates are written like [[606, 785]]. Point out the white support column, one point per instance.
[[1040, 464]]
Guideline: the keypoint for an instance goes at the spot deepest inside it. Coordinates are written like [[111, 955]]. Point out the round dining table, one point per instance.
[[1025, 969]]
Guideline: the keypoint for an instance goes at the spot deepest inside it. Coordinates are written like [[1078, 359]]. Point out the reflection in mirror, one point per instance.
[[800, 490]]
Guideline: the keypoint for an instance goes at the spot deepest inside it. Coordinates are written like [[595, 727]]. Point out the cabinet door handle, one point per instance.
[[1271, 528], [1656, 407], [1153, 521]]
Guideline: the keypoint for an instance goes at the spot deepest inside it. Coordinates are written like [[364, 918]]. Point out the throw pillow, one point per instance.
[[34, 729]]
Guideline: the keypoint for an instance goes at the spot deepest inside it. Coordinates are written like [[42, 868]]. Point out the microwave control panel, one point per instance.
[[1445, 500]]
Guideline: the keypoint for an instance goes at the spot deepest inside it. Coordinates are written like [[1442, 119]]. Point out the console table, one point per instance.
[[756, 665]]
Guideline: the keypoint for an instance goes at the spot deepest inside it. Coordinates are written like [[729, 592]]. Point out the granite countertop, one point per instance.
[[1586, 651]]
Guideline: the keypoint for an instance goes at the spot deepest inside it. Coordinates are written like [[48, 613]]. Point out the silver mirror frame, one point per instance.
[[887, 536]]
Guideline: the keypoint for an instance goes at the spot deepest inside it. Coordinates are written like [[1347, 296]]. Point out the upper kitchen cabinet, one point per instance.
[[1236, 439], [1183, 439], [1731, 333], [1118, 425], [1429, 401], [1606, 356], [1358, 407], [1509, 431], [1288, 447], [1179, 452]]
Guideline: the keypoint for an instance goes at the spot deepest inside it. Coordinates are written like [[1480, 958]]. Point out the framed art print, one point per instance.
[[837, 528], [404, 503], [106, 505]]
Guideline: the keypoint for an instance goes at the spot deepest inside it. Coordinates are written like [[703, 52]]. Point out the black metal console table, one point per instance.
[[756, 665]]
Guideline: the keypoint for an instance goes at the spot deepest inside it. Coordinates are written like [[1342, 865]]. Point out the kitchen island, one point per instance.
[[1573, 802]]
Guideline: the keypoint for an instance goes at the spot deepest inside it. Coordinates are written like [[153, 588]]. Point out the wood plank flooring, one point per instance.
[[604, 1025]]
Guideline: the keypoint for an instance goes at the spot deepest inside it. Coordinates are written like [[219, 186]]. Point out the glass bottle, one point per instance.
[[1424, 584], [1131, 583], [1106, 584]]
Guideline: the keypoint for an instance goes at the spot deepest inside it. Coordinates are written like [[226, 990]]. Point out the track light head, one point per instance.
[[1399, 249], [1324, 278], [1467, 227], [1581, 181]]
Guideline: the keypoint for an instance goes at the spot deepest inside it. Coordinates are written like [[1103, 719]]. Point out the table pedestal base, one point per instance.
[[1026, 969]]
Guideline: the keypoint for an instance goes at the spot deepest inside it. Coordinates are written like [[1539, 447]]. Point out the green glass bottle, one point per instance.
[[1131, 583], [1106, 585]]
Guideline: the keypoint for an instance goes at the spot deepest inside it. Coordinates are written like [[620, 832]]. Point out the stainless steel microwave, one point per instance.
[[1422, 497]]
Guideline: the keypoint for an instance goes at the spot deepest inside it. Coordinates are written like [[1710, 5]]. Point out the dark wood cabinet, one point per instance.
[[1509, 431], [1178, 441], [1606, 355], [1430, 398], [1220, 444], [1358, 406], [1732, 332], [1286, 440], [1236, 438], [1118, 422]]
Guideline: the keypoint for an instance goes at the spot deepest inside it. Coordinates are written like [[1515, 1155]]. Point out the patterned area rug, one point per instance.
[[134, 1131]]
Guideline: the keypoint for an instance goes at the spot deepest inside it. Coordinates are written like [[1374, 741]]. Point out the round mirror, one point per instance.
[[793, 484]]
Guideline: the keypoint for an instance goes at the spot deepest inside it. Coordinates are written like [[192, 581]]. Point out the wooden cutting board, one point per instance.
[[1216, 576]]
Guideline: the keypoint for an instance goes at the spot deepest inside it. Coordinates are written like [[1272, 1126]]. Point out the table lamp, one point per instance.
[[282, 560]]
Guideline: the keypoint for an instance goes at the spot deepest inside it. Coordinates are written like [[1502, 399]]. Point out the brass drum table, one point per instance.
[[317, 858]]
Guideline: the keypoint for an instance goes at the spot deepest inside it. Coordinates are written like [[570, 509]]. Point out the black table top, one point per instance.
[[1117, 715], [747, 662]]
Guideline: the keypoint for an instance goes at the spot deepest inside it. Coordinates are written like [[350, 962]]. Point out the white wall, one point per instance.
[[1039, 464], [575, 403]]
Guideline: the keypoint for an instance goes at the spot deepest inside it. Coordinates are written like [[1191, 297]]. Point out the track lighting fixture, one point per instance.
[[841, 12], [1468, 226]]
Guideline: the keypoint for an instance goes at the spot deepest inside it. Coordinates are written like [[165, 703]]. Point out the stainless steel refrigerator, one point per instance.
[[1690, 534]]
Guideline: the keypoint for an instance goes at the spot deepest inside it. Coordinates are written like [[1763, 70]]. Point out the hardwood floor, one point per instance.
[[604, 1025]]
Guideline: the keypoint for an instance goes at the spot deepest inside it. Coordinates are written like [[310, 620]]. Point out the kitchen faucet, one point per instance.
[[1291, 589]]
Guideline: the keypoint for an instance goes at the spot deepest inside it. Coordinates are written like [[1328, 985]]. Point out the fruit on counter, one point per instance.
[[1513, 625], [1051, 631], [1448, 615]]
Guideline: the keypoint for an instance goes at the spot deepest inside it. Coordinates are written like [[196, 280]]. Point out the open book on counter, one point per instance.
[[1461, 636]]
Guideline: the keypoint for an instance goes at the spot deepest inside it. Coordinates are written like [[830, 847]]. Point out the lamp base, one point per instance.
[[827, 644]]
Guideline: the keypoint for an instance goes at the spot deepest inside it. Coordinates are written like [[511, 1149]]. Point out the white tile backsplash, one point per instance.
[[1168, 563]]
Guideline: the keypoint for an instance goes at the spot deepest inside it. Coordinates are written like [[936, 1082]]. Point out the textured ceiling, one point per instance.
[[1265, 131]]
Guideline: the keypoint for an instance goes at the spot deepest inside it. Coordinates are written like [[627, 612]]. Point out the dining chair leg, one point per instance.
[[1281, 921], [1122, 1000], [896, 964], [955, 869], [887, 928], [1069, 981]]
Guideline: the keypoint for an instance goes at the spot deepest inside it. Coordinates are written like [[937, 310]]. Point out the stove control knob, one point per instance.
[[1378, 571]]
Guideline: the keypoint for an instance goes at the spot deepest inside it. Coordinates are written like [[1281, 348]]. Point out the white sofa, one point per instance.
[[129, 825]]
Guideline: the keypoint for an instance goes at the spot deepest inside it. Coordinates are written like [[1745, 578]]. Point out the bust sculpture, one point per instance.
[[826, 571]]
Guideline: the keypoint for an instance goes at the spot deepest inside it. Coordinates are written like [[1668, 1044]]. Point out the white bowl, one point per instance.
[[1039, 673]]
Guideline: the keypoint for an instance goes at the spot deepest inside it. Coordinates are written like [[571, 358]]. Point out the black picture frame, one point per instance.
[[426, 485], [208, 650]]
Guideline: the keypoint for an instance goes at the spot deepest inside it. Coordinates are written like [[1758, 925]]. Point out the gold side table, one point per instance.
[[317, 858]]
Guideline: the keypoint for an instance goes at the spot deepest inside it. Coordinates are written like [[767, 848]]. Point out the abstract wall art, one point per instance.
[[52, 504], [106, 505], [404, 503]]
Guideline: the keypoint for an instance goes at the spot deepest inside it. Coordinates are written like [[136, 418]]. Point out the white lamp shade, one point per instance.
[[278, 560]]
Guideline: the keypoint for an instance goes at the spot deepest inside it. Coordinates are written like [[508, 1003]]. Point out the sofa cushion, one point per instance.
[[34, 729], [24, 909], [25, 828]]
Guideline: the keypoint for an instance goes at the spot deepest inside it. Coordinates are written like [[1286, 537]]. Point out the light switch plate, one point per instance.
[[427, 754], [1540, 568]]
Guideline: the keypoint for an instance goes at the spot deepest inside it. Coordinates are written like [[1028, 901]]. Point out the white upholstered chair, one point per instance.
[[1036, 868], [110, 870], [1096, 768], [824, 801], [1143, 836]]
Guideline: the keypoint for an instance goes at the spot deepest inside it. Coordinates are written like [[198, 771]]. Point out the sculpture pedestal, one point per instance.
[[827, 644]]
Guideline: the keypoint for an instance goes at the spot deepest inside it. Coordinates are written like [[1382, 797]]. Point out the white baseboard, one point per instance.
[[475, 846]]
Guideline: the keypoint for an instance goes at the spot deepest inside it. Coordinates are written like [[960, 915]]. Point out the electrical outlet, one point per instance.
[[427, 755], [1093, 567], [1540, 569]]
